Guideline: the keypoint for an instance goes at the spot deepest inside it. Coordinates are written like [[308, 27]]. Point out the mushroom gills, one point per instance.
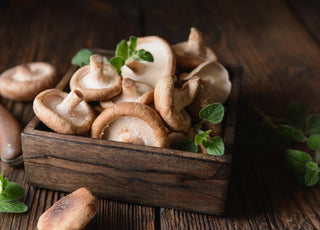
[[130, 129], [106, 80], [53, 102]]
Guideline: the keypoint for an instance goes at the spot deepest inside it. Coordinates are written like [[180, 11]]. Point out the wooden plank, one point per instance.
[[280, 62], [53, 32], [307, 12]]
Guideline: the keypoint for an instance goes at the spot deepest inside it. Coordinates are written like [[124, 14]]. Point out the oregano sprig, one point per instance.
[[124, 53], [9, 193], [213, 113], [299, 127]]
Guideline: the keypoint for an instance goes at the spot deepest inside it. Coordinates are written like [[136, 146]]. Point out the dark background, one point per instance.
[[276, 42]]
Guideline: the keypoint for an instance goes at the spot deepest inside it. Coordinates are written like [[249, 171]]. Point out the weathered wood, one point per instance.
[[281, 63], [268, 38], [53, 32]]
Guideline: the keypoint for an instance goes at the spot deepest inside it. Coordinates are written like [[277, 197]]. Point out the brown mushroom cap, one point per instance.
[[71, 212], [131, 122], [170, 102], [132, 91], [193, 52], [215, 80], [151, 72], [96, 81], [24, 82], [63, 112]]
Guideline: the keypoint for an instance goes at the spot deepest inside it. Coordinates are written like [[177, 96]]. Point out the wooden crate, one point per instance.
[[137, 174]]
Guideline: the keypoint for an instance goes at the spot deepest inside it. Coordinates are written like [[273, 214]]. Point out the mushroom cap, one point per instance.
[[131, 122], [132, 91], [151, 72], [24, 82], [215, 80], [77, 121], [97, 81], [193, 52], [71, 212], [170, 102]]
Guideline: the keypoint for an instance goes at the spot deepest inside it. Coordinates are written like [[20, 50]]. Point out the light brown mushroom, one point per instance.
[[131, 122], [62, 112], [24, 82], [215, 84], [151, 72], [132, 91], [193, 52], [72, 212], [170, 102], [97, 81]]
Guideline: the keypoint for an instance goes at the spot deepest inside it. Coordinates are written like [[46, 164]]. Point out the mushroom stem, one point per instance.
[[136, 66], [96, 67], [194, 41], [129, 87], [70, 102], [187, 93], [24, 72]]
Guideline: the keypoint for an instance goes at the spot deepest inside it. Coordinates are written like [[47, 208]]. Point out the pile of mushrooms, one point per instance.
[[147, 104]]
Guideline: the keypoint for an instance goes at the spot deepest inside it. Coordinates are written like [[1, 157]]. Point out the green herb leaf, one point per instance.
[[117, 63], [312, 174], [285, 134], [122, 50], [144, 55], [216, 147], [206, 142], [133, 45], [296, 160], [201, 136], [313, 124], [188, 145], [314, 142], [296, 115], [213, 113], [12, 191], [82, 58], [13, 206]]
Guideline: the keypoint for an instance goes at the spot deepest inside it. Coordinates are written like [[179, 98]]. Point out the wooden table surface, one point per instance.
[[277, 43]]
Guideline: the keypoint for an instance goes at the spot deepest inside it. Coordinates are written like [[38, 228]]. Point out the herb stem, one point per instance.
[[264, 116], [317, 157]]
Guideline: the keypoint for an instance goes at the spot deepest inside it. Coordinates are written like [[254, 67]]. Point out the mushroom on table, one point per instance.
[[24, 82], [97, 81], [193, 52], [151, 72], [62, 112], [132, 91], [72, 212], [170, 102], [131, 122]]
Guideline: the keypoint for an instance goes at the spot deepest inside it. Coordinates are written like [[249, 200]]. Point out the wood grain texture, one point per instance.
[[50, 31], [280, 60], [275, 41]]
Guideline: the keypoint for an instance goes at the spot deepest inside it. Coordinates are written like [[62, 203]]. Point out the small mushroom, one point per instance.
[[215, 84], [62, 112], [72, 212], [193, 52], [132, 91], [96, 81], [151, 72], [131, 122], [24, 82], [170, 102]]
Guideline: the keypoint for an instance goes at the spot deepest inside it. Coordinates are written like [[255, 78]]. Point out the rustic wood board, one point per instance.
[[269, 38]]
